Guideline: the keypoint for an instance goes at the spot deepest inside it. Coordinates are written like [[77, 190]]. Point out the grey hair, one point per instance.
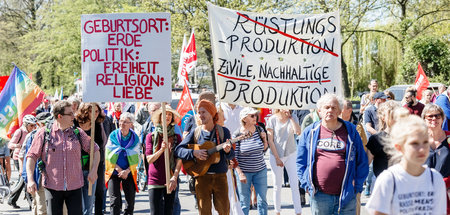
[[73, 100], [128, 115], [329, 97], [348, 104]]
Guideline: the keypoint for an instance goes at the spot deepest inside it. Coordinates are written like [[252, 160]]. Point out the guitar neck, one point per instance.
[[215, 149], [220, 147]]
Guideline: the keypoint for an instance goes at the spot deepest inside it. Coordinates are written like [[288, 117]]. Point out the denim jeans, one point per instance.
[[259, 181], [176, 202], [87, 201], [369, 179], [325, 204]]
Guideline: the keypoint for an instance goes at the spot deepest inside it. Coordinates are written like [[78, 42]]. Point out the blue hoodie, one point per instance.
[[356, 161]]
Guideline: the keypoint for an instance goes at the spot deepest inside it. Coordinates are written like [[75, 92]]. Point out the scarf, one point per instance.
[[117, 115], [158, 134], [114, 147]]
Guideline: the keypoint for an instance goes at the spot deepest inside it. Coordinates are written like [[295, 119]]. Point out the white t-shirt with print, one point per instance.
[[413, 194]]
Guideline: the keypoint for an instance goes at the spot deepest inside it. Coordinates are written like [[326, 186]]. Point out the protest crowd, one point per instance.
[[92, 153], [325, 152]]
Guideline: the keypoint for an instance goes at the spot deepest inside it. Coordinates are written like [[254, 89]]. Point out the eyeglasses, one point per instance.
[[67, 114], [252, 115], [437, 116], [123, 121]]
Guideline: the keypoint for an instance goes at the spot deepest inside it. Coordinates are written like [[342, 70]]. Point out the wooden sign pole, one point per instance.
[[166, 151], [91, 149]]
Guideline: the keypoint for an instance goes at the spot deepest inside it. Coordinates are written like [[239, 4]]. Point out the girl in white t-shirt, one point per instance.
[[408, 187]]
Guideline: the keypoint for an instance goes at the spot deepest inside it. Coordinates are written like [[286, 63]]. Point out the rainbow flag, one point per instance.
[[20, 97]]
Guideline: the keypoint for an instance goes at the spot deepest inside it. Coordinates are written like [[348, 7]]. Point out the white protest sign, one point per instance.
[[126, 57], [275, 61]]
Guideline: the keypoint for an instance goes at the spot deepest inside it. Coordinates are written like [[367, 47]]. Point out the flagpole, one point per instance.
[[192, 103]]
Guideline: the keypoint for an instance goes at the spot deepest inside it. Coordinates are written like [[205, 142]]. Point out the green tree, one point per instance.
[[193, 14], [434, 56]]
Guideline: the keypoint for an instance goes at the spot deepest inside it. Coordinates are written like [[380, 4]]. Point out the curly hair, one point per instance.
[[83, 114]]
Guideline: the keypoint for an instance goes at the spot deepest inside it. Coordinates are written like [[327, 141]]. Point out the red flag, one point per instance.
[[188, 60], [421, 83], [3, 80], [185, 104]]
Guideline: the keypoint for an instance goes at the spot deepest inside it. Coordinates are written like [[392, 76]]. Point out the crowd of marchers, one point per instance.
[[397, 153]]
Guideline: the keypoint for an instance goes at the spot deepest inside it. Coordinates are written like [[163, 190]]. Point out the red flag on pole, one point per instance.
[[188, 60], [3, 80], [185, 104], [421, 83]]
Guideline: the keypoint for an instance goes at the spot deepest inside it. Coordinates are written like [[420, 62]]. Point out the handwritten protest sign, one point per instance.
[[275, 61], [126, 57]]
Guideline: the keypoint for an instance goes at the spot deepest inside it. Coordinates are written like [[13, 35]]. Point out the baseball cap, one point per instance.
[[247, 111], [379, 95]]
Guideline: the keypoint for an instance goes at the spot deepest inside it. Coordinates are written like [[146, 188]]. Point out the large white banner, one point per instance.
[[275, 61], [126, 57]]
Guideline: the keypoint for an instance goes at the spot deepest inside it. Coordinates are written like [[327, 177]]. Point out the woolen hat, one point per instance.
[[209, 106]]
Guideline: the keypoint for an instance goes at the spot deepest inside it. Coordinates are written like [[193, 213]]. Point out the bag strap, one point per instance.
[[20, 138], [393, 189]]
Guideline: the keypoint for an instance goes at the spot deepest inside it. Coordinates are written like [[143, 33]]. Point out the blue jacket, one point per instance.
[[356, 162], [443, 102]]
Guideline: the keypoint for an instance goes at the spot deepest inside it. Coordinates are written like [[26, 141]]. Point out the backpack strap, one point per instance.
[[47, 140], [432, 179], [259, 129], [393, 189]]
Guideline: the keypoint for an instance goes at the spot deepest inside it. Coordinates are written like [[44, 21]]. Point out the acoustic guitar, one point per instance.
[[200, 167]]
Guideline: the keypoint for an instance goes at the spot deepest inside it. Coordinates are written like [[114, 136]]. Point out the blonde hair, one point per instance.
[[401, 113], [400, 132], [386, 115]]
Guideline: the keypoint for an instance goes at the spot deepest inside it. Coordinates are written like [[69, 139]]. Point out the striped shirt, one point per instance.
[[250, 154], [63, 166]]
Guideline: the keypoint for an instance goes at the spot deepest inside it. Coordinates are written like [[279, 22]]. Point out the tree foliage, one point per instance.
[[382, 39], [434, 56]]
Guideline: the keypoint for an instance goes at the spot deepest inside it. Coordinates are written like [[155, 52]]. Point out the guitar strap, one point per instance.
[[217, 136]]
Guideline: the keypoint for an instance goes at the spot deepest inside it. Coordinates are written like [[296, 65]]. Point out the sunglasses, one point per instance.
[[252, 115], [437, 116]]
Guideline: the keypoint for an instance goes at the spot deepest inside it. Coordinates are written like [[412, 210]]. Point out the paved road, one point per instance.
[[186, 199]]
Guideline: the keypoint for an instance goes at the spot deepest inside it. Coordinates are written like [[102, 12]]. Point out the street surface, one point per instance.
[[186, 199]]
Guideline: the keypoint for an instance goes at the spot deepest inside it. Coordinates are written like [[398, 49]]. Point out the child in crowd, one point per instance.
[[408, 187]]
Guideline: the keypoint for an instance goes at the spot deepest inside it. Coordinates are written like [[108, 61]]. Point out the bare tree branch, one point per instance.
[[379, 31]]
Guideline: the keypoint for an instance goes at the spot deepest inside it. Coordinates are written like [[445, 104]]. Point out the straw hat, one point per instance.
[[156, 116]]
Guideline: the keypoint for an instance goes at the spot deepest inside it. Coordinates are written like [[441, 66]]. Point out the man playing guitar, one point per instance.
[[212, 185]]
